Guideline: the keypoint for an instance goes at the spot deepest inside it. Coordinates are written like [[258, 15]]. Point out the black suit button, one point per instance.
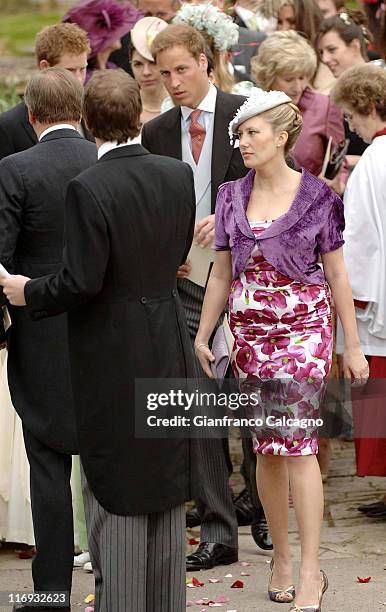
[[143, 300]]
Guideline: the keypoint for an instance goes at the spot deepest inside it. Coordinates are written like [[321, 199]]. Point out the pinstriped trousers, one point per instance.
[[138, 561], [214, 503]]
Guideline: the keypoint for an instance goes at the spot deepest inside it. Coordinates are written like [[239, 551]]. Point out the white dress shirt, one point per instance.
[[206, 119], [58, 126], [109, 145]]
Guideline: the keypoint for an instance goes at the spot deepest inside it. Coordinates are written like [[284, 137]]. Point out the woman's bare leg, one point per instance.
[[307, 494], [272, 485]]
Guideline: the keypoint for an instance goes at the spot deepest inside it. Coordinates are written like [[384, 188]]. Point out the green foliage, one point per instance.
[[17, 32], [8, 97]]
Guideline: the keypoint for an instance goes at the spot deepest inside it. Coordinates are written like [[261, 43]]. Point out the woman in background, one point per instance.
[[287, 62], [106, 22], [144, 68], [361, 93], [305, 17], [342, 43]]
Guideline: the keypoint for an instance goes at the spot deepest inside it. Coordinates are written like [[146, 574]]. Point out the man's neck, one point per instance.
[[203, 97], [39, 128]]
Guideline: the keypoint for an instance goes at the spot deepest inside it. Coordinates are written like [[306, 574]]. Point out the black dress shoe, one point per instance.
[[243, 508], [375, 507], [210, 554], [193, 519], [260, 532]]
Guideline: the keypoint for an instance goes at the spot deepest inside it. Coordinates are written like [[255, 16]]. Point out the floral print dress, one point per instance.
[[283, 340]]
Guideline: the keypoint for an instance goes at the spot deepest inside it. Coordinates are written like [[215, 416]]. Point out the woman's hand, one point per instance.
[[336, 184], [205, 357], [355, 366]]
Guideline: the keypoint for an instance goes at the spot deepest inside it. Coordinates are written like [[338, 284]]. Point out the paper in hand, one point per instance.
[[3, 272]]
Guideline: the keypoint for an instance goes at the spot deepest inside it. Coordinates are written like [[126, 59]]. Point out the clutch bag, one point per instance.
[[334, 158], [222, 348]]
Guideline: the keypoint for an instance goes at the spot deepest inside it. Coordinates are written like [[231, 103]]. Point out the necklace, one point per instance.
[[153, 112]]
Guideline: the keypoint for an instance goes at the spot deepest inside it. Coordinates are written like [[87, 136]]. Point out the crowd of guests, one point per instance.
[[255, 131]]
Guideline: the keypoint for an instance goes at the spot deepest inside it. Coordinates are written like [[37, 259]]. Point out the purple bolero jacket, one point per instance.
[[293, 243]]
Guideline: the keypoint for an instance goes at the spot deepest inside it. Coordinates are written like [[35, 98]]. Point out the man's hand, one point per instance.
[[204, 232], [184, 270], [13, 288]]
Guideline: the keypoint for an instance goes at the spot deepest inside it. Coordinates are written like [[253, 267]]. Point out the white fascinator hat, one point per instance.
[[257, 102]]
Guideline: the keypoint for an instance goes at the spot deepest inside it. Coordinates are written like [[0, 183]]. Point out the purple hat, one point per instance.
[[105, 21]]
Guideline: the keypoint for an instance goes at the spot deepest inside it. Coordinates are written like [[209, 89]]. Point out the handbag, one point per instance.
[[334, 159], [222, 348]]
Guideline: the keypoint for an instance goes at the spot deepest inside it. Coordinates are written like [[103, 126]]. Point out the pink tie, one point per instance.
[[197, 134]]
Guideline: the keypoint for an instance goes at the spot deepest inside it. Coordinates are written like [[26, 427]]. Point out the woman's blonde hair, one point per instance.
[[282, 54], [285, 118], [222, 76]]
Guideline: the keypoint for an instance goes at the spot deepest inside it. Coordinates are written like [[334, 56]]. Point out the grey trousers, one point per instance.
[[219, 523], [138, 561]]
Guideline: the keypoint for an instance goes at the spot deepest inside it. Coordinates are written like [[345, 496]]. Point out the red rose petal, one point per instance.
[[238, 584], [196, 582], [362, 580], [193, 541], [24, 554]]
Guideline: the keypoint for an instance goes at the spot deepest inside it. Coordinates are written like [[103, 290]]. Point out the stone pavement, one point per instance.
[[352, 545]]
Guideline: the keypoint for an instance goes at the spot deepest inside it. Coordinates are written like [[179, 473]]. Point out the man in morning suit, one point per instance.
[[196, 131], [64, 45], [129, 226], [33, 184]]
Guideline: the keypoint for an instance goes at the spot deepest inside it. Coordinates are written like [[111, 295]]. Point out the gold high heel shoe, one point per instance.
[[280, 595], [323, 588]]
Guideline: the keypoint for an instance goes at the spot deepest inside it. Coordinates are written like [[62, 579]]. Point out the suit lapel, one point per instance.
[[221, 149], [170, 134]]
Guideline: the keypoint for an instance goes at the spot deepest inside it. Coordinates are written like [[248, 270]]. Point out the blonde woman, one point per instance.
[[287, 62], [305, 17], [271, 228]]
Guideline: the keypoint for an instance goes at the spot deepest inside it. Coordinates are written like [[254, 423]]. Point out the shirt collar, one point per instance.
[[58, 126], [208, 104], [242, 12], [112, 144], [380, 133]]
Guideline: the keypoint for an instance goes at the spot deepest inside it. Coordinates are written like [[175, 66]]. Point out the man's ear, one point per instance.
[[203, 61], [31, 117], [43, 65]]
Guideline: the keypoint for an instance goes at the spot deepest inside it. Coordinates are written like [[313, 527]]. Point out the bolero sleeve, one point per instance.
[[330, 235], [221, 237]]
